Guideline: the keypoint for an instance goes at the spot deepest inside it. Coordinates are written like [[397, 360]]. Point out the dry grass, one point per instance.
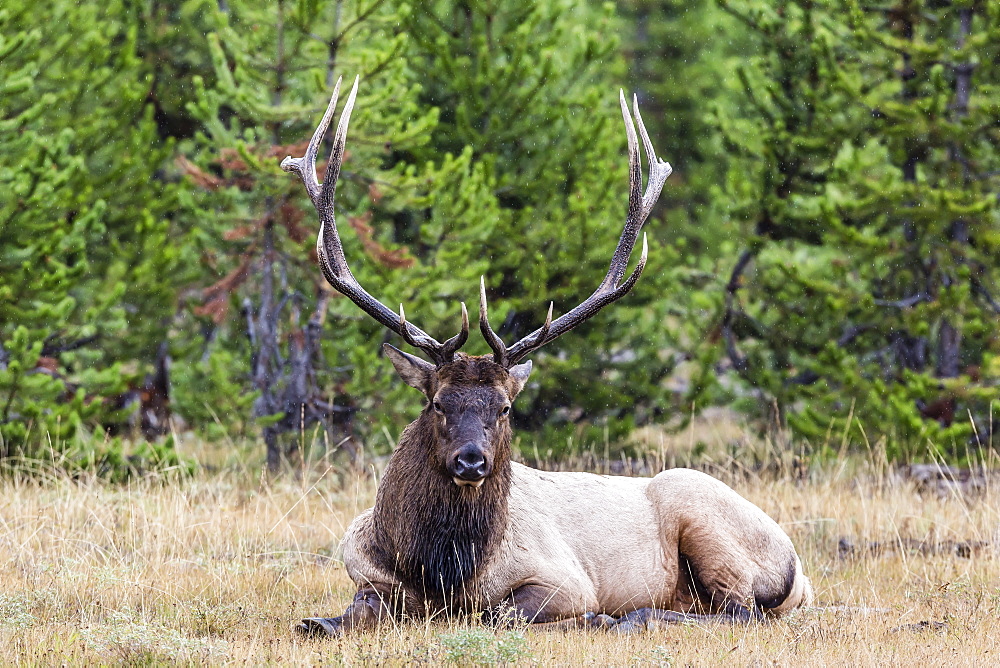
[[215, 569]]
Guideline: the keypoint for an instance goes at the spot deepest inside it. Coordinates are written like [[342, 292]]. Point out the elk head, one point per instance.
[[468, 405], [469, 398]]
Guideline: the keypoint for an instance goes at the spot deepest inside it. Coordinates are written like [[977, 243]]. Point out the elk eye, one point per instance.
[[504, 411], [438, 408]]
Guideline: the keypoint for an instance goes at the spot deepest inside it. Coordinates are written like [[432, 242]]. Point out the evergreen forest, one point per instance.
[[824, 261]]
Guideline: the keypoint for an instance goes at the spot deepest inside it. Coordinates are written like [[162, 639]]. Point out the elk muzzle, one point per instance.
[[469, 466]]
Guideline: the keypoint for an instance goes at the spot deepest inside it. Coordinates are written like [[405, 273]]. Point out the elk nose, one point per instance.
[[470, 464]]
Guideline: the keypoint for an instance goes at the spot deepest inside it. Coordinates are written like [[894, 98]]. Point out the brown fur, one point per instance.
[[432, 534], [472, 370]]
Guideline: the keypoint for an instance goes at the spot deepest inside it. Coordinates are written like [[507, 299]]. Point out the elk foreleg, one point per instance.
[[541, 606], [369, 608]]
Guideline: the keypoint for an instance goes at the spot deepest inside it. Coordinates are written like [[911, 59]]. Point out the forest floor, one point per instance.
[[216, 568]]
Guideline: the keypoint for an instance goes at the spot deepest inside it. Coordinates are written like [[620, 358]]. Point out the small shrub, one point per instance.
[[214, 619], [112, 459], [15, 611], [479, 647], [657, 656], [135, 642]]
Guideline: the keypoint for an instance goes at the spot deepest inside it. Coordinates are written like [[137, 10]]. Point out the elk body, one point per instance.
[[458, 526]]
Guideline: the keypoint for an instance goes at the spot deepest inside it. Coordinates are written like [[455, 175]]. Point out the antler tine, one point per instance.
[[635, 185], [636, 200], [337, 153], [329, 249], [416, 338], [494, 341], [452, 345], [659, 170], [538, 338], [611, 288], [305, 166]]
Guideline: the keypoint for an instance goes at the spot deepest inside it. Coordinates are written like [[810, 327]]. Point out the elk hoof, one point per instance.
[[599, 621], [628, 627], [319, 627]]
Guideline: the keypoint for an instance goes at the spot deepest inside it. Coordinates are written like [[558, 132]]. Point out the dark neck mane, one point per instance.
[[434, 535]]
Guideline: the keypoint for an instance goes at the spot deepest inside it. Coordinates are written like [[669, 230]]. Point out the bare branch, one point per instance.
[[735, 282], [53, 346], [906, 302]]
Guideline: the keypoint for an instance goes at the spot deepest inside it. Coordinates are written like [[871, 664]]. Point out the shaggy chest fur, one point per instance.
[[433, 535], [441, 552]]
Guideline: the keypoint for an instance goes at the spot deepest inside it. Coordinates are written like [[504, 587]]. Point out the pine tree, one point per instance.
[[867, 181], [530, 90], [275, 67], [85, 253], [682, 57], [505, 137]]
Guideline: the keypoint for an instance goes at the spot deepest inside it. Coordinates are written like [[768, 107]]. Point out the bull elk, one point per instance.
[[458, 526]]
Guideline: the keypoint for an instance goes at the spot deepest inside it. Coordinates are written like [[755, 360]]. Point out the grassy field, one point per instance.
[[216, 568]]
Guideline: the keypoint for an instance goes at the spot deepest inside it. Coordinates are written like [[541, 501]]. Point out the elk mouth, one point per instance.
[[475, 484]]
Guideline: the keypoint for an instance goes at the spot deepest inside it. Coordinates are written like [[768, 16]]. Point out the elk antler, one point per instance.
[[639, 206], [330, 251]]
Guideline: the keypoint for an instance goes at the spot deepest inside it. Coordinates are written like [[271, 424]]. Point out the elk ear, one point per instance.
[[519, 374], [414, 371]]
